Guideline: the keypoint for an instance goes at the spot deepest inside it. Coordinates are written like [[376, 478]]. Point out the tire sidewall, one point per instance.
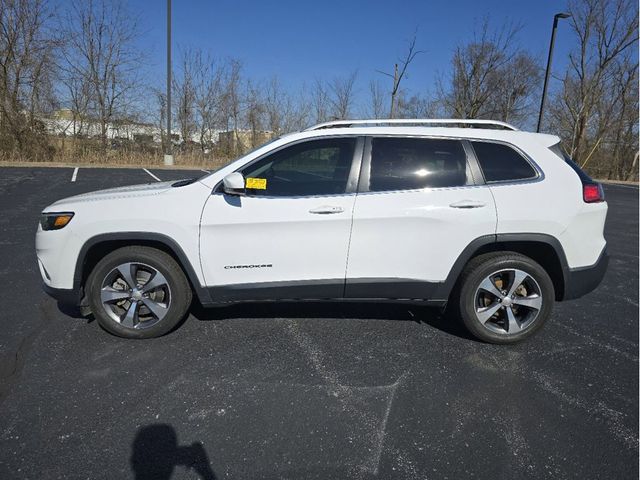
[[477, 275], [180, 299]]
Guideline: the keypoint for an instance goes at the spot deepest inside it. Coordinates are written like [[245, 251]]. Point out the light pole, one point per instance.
[[168, 155], [546, 75]]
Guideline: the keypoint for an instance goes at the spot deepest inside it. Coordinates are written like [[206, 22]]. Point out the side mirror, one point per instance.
[[233, 184]]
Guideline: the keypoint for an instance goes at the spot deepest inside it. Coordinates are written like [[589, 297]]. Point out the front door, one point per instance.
[[288, 237]]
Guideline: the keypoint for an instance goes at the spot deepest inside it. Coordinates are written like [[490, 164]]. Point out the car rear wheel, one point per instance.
[[138, 292], [504, 297]]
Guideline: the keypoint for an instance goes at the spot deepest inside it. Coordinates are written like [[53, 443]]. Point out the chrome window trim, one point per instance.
[[536, 168], [365, 176], [352, 179]]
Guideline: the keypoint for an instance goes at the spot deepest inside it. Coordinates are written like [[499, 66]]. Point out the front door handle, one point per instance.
[[326, 210], [468, 204]]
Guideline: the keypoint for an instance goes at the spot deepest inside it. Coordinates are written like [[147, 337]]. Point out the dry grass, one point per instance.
[[116, 158]]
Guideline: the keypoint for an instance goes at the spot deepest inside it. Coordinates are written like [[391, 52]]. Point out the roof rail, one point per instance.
[[414, 122]]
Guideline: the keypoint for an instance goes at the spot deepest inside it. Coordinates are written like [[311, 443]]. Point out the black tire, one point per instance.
[[177, 290], [467, 305]]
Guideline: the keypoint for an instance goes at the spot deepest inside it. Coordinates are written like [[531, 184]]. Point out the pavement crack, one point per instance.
[[613, 419], [8, 379], [344, 393]]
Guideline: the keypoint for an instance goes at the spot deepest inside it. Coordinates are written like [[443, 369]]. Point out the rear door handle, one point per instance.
[[468, 204], [326, 210]]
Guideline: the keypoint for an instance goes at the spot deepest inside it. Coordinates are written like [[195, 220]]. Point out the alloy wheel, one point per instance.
[[508, 301], [135, 295]]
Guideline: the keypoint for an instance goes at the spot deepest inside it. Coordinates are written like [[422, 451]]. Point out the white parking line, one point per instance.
[[157, 179], [205, 171], [75, 174]]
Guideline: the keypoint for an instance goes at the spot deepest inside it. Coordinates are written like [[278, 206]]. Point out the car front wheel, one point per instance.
[[138, 292]]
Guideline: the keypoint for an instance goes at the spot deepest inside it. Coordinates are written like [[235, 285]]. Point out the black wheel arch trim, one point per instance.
[[472, 248], [201, 292], [589, 276]]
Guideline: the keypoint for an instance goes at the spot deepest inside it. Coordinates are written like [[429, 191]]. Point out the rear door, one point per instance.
[[420, 203], [288, 236]]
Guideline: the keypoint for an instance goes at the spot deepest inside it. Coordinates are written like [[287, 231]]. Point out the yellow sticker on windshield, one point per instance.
[[257, 183]]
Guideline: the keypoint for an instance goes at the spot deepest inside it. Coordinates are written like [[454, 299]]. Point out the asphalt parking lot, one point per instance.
[[302, 391]]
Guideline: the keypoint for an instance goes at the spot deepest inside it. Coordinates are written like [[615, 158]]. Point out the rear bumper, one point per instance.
[[581, 281], [67, 296]]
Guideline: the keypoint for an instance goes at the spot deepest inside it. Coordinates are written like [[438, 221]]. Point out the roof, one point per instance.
[[467, 122], [454, 128]]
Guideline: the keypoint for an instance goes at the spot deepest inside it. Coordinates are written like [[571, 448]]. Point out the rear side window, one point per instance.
[[501, 163], [414, 163]]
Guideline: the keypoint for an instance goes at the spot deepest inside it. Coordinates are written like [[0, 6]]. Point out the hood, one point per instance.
[[132, 191]]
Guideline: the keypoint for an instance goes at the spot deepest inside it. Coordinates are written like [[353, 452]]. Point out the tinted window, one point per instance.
[[411, 163], [500, 162], [317, 167]]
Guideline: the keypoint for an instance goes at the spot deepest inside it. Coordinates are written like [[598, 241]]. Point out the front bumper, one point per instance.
[[581, 281]]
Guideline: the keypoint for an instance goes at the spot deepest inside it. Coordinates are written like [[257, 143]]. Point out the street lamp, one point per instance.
[[168, 155], [546, 75]]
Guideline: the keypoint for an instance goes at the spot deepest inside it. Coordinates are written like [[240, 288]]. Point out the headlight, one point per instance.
[[55, 221]]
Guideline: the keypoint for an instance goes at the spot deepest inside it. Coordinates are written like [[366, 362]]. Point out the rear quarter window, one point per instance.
[[501, 163], [584, 177]]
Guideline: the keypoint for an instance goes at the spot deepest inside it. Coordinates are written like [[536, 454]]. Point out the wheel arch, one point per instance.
[[98, 246], [544, 249]]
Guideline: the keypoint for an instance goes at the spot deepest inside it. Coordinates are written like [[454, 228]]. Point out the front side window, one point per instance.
[[414, 163], [315, 167], [501, 163]]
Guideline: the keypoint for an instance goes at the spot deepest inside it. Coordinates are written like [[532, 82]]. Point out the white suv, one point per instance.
[[492, 222]]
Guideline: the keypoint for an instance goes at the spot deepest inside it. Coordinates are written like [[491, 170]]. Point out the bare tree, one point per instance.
[[274, 104], [341, 95], [415, 106], [100, 49], [232, 105], [398, 73], [597, 109], [161, 116], [376, 101], [185, 96], [208, 97], [320, 101], [491, 78], [298, 113], [78, 90], [514, 96], [284, 111], [254, 112], [26, 71]]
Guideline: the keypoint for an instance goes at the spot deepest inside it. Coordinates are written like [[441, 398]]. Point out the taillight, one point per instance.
[[592, 193]]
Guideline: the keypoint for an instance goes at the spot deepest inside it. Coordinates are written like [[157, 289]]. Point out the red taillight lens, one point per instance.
[[592, 193]]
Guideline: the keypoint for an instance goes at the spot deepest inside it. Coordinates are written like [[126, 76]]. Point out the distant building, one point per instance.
[[64, 123]]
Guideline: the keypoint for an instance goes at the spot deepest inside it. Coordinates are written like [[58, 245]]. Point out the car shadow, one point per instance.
[[434, 317], [431, 316], [155, 453], [73, 311]]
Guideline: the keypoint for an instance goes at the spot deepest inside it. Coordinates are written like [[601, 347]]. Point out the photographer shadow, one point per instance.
[[155, 454]]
